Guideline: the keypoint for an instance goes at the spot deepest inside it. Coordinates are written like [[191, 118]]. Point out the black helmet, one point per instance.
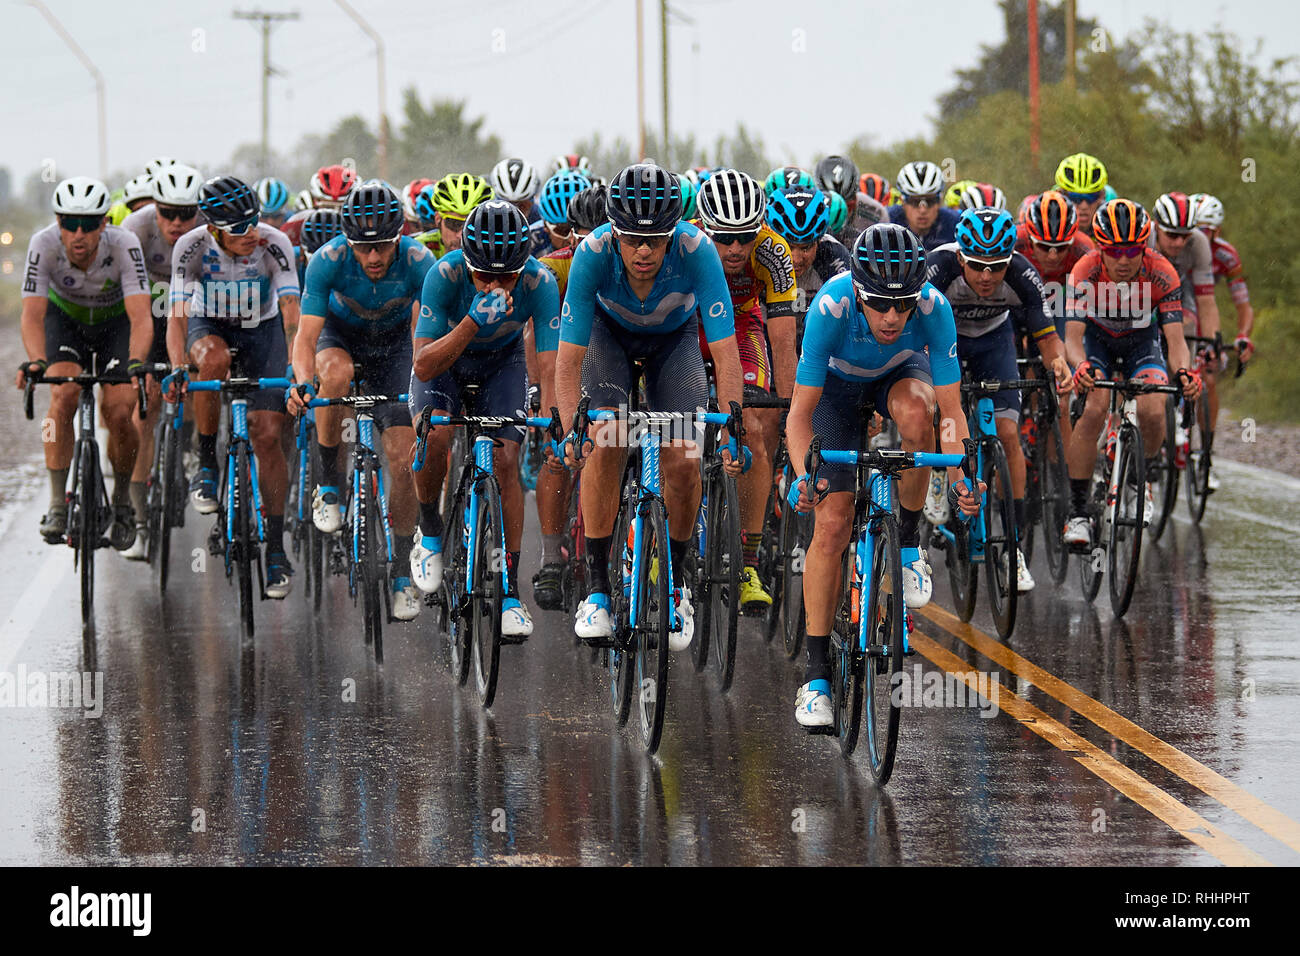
[[495, 238], [888, 260], [838, 174], [645, 199], [587, 210], [229, 202], [320, 226], [372, 213]]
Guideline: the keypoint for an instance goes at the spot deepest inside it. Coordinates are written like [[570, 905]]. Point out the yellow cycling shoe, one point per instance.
[[753, 599]]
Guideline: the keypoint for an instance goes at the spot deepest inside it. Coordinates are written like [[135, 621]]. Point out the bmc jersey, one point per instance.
[[831, 259], [157, 250], [449, 290], [1227, 265], [943, 231], [116, 272], [867, 213], [243, 289], [1120, 308], [339, 290], [1194, 265], [838, 340], [690, 280], [1079, 247], [1021, 289]]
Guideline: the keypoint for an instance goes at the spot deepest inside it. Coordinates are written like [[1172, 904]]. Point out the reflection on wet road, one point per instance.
[[1169, 737]]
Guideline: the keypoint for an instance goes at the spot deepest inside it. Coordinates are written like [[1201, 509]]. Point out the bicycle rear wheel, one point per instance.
[[455, 562], [963, 573], [373, 559], [1200, 436], [1125, 540], [722, 574], [1054, 499], [1000, 547], [621, 657], [652, 624], [489, 591], [769, 560], [795, 535], [884, 612], [1164, 477], [244, 543]]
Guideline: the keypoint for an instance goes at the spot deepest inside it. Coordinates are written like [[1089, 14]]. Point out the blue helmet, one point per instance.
[[227, 202], [372, 213], [424, 210], [645, 199], [495, 237], [800, 216], [318, 227], [553, 203], [274, 196], [888, 260], [986, 233]]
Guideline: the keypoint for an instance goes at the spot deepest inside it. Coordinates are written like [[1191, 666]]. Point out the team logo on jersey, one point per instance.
[[451, 273], [278, 253], [29, 281], [835, 308], [929, 298], [531, 281], [692, 242], [597, 243], [772, 256]]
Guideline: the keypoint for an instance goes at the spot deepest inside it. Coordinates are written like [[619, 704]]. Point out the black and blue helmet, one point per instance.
[[553, 203], [800, 216], [986, 233], [496, 238], [587, 210], [645, 199], [372, 212], [227, 202], [318, 227], [888, 260]]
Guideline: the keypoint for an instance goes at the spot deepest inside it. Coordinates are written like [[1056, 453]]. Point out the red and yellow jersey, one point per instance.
[[765, 287], [1123, 307], [1079, 247], [1227, 265], [559, 261]]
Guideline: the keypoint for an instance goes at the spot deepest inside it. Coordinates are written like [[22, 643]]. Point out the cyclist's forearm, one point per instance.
[[1245, 319], [33, 327], [546, 369], [177, 326], [304, 347], [726, 366], [1179, 357], [1074, 353], [952, 423], [798, 426], [138, 314], [291, 312], [784, 362], [1208, 309], [568, 379], [441, 354]]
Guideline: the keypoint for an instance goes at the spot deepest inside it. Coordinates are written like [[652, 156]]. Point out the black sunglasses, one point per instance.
[[452, 224], [728, 238], [883, 303], [177, 213], [636, 240], [84, 223]]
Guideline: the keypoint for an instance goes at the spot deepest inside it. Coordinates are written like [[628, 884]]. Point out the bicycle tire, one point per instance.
[[243, 543], [1033, 495], [373, 560], [1165, 478], [488, 592], [846, 670], [795, 536], [769, 560], [1093, 564], [999, 517], [963, 573], [1054, 499], [1124, 547], [173, 497], [1200, 437], [155, 502], [88, 507], [619, 659], [696, 573], [722, 571], [455, 562], [884, 613], [652, 625]]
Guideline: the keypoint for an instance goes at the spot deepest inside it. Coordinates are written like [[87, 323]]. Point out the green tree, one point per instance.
[[438, 140]]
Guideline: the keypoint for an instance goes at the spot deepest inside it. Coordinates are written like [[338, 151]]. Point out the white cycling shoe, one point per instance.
[[139, 550], [1212, 481], [426, 563], [326, 514], [917, 586], [812, 704], [515, 619], [1148, 506], [406, 600], [1078, 532], [592, 620], [936, 498], [679, 640], [1024, 580]]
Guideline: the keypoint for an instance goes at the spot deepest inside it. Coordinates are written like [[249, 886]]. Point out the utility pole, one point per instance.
[[94, 72], [267, 20], [1033, 84], [383, 86], [640, 84], [1069, 45], [664, 11]]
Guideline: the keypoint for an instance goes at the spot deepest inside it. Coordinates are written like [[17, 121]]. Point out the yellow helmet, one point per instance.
[[952, 197], [1081, 173], [456, 195]]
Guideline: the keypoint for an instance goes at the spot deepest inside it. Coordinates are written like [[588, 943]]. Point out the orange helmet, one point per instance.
[[876, 186], [1120, 222], [1051, 218]]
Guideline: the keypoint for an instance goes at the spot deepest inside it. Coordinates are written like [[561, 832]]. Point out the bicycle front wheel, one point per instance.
[[722, 562], [1054, 499], [769, 560], [1200, 437], [620, 659], [652, 623], [88, 507], [883, 613], [242, 491], [173, 499], [373, 559], [1001, 558], [1125, 540], [795, 535], [1164, 478], [488, 591]]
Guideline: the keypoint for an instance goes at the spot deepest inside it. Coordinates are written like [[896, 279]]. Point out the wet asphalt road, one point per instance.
[[1169, 738]]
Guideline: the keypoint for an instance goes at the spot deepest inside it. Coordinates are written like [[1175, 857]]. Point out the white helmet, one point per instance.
[[304, 200], [919, 178], [161, 162], [137, 187], [1209, 211], [731, 201], [81, 196], [514, 179], [177, 185], [573, 161]]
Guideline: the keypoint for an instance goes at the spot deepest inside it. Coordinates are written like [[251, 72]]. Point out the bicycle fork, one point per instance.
[[239, 428], [483, 467]]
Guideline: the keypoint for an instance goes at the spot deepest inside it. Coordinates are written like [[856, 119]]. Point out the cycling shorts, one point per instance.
[[67, 340], [263, 353], [503, 389], [382, 365], [755, 351], [674, 367], [992, 357], [838, 417], [1129, 354]]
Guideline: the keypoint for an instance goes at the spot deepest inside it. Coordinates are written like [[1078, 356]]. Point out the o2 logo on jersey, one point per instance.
[[566, 314], [717, 310], [555, 323]]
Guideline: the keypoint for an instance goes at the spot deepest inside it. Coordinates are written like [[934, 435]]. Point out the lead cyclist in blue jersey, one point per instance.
[[475, 304], [865, 339], [637, 289], [359, 308]]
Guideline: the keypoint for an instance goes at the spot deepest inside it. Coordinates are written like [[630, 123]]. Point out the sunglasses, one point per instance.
[[561, 229], [636, 240], [921, 202], [239, 229], [84, 223], [983, 265], [1051, 246], [1122, 252], [903, 304], [730, 238], [1175, 233], [452, 225], [177, 213], [381, 245], [487, 278], [1085, 197]]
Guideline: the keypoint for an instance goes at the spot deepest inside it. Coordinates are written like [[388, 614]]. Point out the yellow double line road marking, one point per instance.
[[1184, 820], [1273, 822]]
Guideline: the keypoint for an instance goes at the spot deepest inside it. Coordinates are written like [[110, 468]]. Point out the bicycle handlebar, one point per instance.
[[238, 385], [427, 420], [766, 401], [89, 379], [358, 401], [1131, 387]]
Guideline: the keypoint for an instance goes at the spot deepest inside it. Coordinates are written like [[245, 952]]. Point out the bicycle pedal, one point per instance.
[[598, 642]]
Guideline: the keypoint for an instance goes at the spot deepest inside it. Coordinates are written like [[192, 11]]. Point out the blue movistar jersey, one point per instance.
[[449, 290], [339, 290], [943, 230], [837, 339], [690, 280]]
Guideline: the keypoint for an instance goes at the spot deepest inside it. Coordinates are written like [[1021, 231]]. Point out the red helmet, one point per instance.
[[570, 161], [1022, 214], [1175, 212], [410, 194], [876, 186], [331, 184]]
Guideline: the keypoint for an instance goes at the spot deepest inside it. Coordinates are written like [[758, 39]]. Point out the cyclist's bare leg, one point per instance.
[[602, 478], [58, 437], [212, 357], [505, 461], [334, 368], [429, 479], [1081, 456], [1009, 435], [264, 429], [680, 466], [119, 404], [144, 431], [553, 490], [761, 426], [823, 562], [911, 406], [1151, 412], [402, 505]]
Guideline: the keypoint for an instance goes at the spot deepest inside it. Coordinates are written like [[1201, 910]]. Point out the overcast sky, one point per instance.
[[183, 77]]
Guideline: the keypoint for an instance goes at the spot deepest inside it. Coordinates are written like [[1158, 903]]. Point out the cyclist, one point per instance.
[[516, 181], [329, 186], [586, 213], [473, 308], [985, 280], [137, 192], [761, 279], [952, 196], [1122, 297], [412, 221], [86, 292], [838, 174], [867, 338], [553, 231], [877, 187], [175, 211], [570, 161], [451, 199], [234, 251], [1188, 250], [319, 226], [921, 185], [359, 307], [1083, 180], [1228, 266], [275, 199], [801, 216], [635, 290], [787, 177], [982, 196], [1050, 237]]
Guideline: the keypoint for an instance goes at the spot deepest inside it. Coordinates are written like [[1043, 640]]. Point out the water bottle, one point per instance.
[[1181, 446]]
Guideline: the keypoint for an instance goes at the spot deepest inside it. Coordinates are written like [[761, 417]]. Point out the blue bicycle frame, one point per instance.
[[985, 428]]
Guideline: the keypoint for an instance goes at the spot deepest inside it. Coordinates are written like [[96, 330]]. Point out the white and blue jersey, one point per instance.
[[691, 280], [943, 230], [449, 290], [339, 290], [837, 339]]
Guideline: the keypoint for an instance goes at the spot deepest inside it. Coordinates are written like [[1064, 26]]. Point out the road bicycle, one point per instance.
[[1047, 483], [166, 489]]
